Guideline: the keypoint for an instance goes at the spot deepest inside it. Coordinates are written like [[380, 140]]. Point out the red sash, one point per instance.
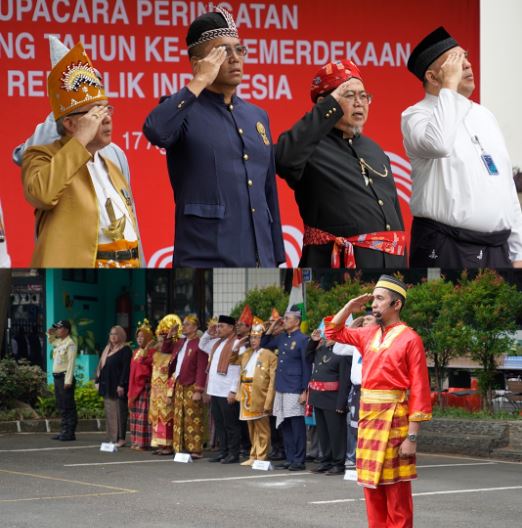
[[391, 242], [319, 386]]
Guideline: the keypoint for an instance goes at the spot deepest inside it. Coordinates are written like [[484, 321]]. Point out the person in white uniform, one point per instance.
[[464, 202]]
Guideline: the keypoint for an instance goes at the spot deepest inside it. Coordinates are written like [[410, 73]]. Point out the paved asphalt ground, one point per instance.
[[44, 483]]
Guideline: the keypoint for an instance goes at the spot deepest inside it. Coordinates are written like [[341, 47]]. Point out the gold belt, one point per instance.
[[383, 396]]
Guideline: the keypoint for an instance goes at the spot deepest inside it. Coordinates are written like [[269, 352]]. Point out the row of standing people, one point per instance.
[[394, 395], [464, 202]]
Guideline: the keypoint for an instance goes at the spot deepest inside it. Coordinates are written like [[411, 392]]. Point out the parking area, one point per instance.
[[46, 483]]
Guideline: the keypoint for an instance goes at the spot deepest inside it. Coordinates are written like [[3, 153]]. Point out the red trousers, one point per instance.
[[389, 506]]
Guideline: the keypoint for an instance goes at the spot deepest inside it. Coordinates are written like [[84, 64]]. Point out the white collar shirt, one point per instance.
[[444, 137]]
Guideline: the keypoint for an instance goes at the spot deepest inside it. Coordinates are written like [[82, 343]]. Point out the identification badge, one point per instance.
[[490, 164]]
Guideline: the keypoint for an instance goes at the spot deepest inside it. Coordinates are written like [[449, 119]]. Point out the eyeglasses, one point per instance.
[[364, 97], [110, 108], [238, 49]]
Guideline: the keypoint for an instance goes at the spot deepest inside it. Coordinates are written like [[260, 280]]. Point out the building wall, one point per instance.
[[501, 74], [232, 285]]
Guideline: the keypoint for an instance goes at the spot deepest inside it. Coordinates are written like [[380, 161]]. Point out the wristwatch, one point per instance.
[[412, 437]]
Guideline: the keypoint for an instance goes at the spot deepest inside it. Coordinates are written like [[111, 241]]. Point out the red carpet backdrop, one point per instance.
[[139, 45]]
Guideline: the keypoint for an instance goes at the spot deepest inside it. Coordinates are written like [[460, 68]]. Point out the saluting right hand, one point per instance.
[[207, 68], [358, 304], [451, 71], [87, 126]]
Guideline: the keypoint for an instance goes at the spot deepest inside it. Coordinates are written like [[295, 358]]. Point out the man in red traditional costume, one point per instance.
[[187, 379], [395, 398]]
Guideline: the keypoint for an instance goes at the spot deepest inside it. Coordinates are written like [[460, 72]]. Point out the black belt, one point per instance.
[[124, 254], [59, 374]]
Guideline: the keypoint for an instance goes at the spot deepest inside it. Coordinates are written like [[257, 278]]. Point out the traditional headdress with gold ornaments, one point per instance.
[[393, 284], [144, 326], [73, 82], [192, 318], [257, 330], [167, 323]]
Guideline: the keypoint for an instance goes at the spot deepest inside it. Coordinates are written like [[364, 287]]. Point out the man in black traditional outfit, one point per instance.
[[342, 180]]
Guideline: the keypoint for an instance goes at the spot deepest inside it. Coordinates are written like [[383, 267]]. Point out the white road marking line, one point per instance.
[[493, 460], [48, 449], [455, 465], [429, 493], [281, 475], [122, 462]]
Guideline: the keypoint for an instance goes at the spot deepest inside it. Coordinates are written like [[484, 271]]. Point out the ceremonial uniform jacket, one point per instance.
[[64, 356], [58, 184], [194, 367], [293, 367], [221, 167], [328, 366], [263, 381], [333, 195], [393, 359]]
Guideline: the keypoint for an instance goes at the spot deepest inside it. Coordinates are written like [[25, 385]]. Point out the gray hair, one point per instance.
[[60, 128]]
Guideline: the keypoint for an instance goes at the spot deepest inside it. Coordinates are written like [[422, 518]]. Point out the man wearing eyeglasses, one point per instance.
[[220, 157], [83, 204], [342, 180], [464, 200]]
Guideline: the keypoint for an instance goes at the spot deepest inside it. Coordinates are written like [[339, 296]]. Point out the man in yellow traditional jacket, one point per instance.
[[395, 398], [83, 204]]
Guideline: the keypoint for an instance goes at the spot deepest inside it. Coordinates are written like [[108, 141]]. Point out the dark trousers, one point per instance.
[[276, 439], [227, 424], [331, 428], [294, 439], [66, 404]]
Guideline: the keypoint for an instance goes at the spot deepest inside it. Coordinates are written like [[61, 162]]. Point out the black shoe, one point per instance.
[[309, 458], [57, 437], [67, 438], [230, 459], [217, 458], [296, 467], [277, 455], [283, 465], [323, 468], [350, 466], [336, 470]]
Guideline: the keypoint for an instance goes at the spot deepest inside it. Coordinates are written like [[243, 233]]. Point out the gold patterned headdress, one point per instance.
[[167, 323], [144, 326], [73, 82]]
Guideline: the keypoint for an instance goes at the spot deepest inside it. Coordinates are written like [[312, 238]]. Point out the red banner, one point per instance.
[[139, 46]]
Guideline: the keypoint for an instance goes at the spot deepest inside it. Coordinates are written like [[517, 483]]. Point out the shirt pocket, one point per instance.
[[204, 210]]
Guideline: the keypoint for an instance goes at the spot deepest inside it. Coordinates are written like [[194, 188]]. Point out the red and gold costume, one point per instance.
[[188, 423], [139, 395], [161, 412], [395, 391]]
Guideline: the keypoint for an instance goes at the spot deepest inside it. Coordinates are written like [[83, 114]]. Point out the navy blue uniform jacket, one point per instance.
[[222, 171], [293, 367]]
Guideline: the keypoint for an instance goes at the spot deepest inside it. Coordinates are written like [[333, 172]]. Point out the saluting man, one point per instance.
[[220, 157], [342, 179]]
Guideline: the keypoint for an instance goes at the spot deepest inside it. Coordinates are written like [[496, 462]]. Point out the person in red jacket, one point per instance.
[[187, 379], [395, 398], [139, 387]]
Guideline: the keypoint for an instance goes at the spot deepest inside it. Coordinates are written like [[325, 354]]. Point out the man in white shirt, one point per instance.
[[222, 383], [5, 259], [464, 202]]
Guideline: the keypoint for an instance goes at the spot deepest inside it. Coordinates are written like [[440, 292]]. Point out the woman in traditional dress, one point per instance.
[[161, 410], [139, 387]]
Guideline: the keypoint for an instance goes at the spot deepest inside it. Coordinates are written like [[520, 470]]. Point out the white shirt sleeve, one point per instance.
[[234, 372], [206, 342], [431, 132], [515, 239], [44, 134]]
